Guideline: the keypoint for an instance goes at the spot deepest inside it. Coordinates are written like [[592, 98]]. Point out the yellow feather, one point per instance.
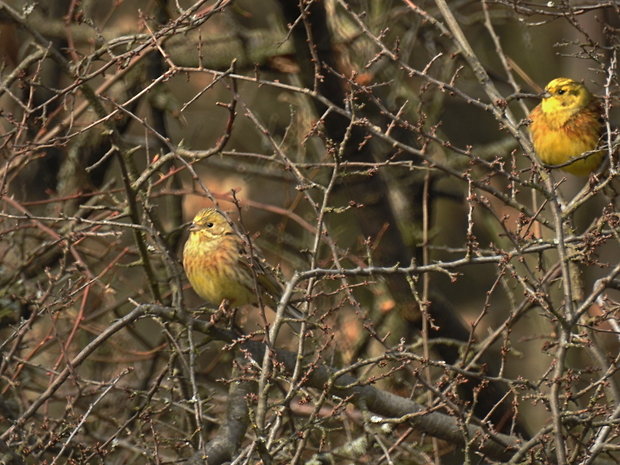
[[566, 125], [219, 266]]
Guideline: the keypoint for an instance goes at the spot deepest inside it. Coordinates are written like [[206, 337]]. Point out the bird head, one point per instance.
[[564, 94], [211, 223]]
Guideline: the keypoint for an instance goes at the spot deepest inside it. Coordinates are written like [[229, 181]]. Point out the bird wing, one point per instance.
[[271, 289]]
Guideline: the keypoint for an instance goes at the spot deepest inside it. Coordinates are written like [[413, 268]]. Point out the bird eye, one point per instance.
[[561, 92], [209, 225]]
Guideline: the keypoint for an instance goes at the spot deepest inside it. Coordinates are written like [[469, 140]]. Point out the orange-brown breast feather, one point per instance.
[[556, 142], [214, 270]]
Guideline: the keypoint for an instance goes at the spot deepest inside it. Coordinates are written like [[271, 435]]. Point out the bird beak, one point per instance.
[[545, 94], [193, 227]]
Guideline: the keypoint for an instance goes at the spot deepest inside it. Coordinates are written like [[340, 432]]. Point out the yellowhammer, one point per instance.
[[567, 124], [219, 265]]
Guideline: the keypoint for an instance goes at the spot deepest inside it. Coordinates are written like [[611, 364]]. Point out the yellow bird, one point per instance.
[[221, 265], [567, 124]]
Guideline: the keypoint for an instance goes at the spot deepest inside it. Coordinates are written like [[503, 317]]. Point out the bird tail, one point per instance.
[[295, 318]]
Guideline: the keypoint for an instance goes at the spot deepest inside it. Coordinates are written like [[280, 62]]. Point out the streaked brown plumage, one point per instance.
[[219, 265]]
